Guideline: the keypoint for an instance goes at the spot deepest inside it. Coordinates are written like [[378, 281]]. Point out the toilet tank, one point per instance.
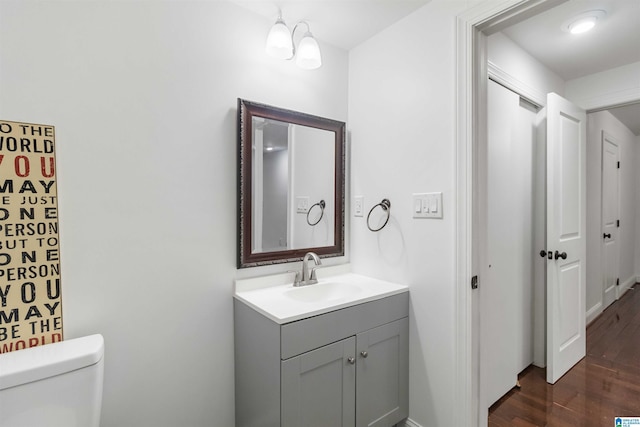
[[54, 385]]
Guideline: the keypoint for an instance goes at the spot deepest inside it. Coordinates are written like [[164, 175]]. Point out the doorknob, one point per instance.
[[562, 255], [606, 235]]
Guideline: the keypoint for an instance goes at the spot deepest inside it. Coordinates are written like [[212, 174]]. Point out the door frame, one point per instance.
[[472, 28]]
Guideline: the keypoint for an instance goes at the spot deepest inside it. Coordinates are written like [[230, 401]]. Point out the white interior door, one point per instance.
[[610, 216], [498, 372], [506, 292], [566, 226]]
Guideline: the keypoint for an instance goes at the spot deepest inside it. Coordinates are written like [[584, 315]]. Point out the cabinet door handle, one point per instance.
[[606, 235], [351, 360], [364, 354]]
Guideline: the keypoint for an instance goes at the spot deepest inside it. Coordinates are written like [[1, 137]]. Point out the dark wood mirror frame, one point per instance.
[[246, 111]]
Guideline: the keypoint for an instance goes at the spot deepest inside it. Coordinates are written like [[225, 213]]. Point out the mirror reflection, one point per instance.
[[291, 185], [293, 170]]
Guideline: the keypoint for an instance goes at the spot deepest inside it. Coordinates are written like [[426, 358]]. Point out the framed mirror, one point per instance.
[[290, 185]]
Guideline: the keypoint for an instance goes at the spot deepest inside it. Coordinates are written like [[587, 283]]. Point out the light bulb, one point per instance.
[[308, 53], [582, 25], [279, 43]]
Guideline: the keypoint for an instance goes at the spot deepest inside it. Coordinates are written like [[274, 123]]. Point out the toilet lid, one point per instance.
[[37, 363]]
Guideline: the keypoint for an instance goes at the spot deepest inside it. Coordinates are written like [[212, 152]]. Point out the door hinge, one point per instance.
[[618, 165], [617, 282], [618, 223], [474, 282]]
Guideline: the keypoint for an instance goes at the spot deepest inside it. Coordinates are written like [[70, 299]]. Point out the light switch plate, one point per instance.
[[427, 205], [302, 204], [358, 206]]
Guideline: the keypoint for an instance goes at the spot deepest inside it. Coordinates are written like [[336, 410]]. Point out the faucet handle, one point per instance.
[[296, 278], [312, 277]]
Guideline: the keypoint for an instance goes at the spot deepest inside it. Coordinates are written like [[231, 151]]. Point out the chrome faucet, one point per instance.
[[308, 277]]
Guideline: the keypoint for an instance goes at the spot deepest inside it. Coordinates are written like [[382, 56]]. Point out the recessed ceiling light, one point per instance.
[[583, 22], [582, 25]]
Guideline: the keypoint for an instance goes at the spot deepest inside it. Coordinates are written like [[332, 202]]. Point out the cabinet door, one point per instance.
[[318, 387], [383, 375]]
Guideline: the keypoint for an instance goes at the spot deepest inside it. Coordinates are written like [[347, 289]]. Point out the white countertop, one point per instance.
[[286, 303]]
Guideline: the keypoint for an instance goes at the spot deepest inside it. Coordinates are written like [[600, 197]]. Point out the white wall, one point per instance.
[[531, 78], [313, 171], [402, 123], [596, 123], [143, 98], [615, 86]]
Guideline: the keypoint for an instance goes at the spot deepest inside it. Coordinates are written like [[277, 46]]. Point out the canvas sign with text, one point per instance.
[[30, 294]]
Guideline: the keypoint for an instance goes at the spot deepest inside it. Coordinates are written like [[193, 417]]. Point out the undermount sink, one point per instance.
[[329, 291]]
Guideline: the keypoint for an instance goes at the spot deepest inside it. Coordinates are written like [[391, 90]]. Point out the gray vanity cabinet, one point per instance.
[[345, 368], [382, 371], [319, 387]]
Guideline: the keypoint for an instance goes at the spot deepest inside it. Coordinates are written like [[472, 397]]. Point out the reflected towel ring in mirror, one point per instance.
[[321, 205], [266, 228], [385, 204]]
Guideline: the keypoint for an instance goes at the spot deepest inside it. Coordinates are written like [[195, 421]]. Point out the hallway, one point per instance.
[[603, 385]]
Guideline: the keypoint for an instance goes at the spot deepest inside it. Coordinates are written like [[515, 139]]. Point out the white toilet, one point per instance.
[[54, 385]]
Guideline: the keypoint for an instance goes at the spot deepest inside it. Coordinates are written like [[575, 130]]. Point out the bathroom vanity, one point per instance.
[[331, 354]]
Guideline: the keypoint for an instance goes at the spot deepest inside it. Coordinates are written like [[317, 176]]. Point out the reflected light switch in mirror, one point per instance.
[[302, 204]]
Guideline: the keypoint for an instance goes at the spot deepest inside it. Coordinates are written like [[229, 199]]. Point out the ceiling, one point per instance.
[[341, 23], [614, 42], [629, 115]]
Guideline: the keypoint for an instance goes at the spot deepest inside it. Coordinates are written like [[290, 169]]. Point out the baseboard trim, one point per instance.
[[594, 312], [626, 285], [409, 423]]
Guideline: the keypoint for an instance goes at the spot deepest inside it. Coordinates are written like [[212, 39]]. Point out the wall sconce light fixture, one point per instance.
[[280, 44]]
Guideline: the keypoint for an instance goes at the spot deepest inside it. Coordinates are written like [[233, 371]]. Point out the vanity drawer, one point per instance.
[[307, 334]]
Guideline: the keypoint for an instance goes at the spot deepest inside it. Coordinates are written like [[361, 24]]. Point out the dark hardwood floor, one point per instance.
[[603, 385]]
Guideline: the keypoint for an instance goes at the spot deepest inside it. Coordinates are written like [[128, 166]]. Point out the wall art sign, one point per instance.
[[30, 296]]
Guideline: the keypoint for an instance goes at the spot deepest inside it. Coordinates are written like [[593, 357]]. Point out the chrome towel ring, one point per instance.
[[385, 204], [321, 205]]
